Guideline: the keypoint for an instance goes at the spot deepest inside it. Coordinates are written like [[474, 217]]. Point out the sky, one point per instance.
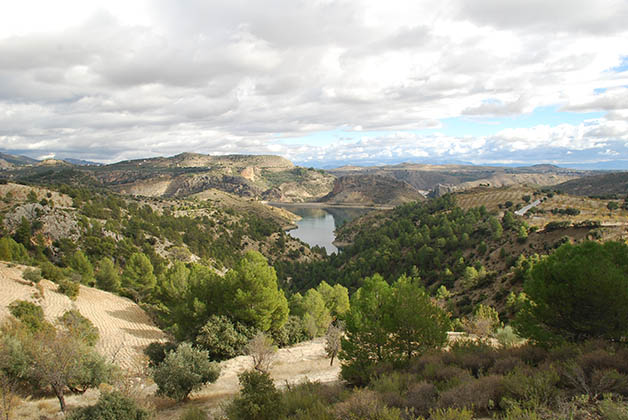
[[321, 82]]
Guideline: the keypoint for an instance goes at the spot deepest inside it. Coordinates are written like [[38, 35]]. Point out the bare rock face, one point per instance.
[[57, 223], [248, 173], [371, 190]]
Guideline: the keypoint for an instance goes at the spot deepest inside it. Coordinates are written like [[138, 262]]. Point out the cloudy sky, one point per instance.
[[321, 82]]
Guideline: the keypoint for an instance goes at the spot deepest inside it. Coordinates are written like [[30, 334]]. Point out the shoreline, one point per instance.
[[323, 205]]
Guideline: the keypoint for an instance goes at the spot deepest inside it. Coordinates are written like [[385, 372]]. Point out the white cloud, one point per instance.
[[110, 80]]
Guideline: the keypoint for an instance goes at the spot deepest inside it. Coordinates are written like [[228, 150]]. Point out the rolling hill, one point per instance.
[[602, 185]]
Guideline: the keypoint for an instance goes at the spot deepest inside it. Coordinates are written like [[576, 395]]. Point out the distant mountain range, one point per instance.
[[275, 179]]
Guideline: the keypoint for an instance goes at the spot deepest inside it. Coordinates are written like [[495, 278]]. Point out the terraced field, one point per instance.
[[125, 329]]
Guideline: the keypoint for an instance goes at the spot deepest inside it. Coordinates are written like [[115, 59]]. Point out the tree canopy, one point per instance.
[[577, 293]]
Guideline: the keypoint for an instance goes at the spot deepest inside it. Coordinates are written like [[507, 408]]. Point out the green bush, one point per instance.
[[258, 399], [184, 370], [311, 397], [32, 275], [613, 410], [532, 389], [80, 327], [194, 413], [157, 351], [69, 288], [51, 272], [451, 414], [506, 337], [111, 406], [222, 338], [31, 315]]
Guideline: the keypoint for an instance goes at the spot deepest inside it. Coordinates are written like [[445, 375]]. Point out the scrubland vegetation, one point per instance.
[[545, 322]]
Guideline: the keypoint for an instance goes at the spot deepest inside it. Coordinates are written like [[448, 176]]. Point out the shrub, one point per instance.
[[421, 397], [506, 337], [391, 388], [475, 357], [262, 350], [533, 389], [505, 365], [110, 406], [30, 314], [310, 397], [451, 414], [365, 405], [222, 338], [481, 394], [484, 321], [157, 351], [183, 371], [445, 376], [258, 399], [290, 333], [517, 413], [32, 275], [194, 413], [51, 272], [613, 410], [80, 327], [69, 288]]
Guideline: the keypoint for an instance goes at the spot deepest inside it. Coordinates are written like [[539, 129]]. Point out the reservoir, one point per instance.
[[317, 224]]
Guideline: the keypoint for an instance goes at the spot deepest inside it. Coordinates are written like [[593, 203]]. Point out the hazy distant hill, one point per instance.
[[447, 178], [609, 184], [8, 161], [81, 162]]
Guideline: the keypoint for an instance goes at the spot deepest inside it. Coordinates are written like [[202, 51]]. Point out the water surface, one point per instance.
[[318, 224]]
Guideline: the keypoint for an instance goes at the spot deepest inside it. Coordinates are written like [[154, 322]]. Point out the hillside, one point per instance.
[[476, 251], [216, 227], [613, 184], [125, 329], [250, 176], [371, 190]]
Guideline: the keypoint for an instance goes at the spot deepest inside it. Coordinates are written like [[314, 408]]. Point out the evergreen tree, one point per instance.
[[107, 277], [81, 265], [23, 233], [577, 293], [255, 298], [138, 274]]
